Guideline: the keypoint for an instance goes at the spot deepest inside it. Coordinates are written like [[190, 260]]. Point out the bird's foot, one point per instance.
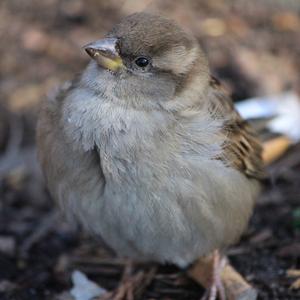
[[221, 279], [216, 287], [131, 286]]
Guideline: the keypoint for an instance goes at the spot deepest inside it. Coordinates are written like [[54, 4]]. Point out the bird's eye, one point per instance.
[[142, 62]]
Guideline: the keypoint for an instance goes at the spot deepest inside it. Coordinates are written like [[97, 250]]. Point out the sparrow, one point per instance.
[[146, 150]]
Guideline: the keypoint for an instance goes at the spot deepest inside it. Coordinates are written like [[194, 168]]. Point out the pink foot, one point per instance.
[[216, 288]]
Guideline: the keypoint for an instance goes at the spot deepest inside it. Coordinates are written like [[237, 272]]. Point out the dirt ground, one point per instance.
[[253, 47]]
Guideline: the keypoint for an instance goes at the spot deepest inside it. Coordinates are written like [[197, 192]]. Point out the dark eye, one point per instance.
[[142, 62]]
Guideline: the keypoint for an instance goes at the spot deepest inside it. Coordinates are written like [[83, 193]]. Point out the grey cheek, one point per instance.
[[164, 89]]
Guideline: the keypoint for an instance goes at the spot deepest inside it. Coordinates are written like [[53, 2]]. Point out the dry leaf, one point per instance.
[[293, 273], [295, 285]]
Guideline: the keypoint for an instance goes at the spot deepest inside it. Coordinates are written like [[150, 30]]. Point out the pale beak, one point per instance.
[[106, 53]]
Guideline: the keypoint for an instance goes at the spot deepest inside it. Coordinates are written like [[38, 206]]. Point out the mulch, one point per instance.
[[252, 47]]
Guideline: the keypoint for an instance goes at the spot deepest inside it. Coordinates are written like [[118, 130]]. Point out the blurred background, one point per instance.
[[253, 47]]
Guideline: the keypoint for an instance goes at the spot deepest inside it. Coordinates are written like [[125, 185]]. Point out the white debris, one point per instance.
[[83, 288], [283, 108]]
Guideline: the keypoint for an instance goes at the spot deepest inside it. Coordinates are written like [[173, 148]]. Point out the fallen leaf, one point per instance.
[[293, 273], [295, 285], [286, 21]]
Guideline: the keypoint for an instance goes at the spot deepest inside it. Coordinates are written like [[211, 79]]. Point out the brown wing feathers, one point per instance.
[[242, 148]]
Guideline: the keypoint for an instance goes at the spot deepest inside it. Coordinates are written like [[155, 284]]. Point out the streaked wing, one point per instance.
[[243, 149]]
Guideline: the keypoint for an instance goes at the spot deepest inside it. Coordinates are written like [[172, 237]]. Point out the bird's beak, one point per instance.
[[106, 53]]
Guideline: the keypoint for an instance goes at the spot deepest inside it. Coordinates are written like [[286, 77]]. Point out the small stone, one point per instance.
[[7, 245]]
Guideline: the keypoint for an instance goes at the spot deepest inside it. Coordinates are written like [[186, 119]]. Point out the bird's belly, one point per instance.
[[150, 228], [172, 217]]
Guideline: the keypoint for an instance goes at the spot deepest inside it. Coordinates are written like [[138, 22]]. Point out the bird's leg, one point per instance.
[[216, 286], [131, 285], [125, 288], [220, 278]]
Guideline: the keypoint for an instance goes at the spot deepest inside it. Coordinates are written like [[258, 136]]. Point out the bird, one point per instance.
[[146, 150]]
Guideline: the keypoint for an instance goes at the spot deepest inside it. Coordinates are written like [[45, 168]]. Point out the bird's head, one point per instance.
[[147, 58]]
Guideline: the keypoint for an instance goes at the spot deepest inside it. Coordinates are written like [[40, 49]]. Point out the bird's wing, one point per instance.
[[70, 172], [242, 149]]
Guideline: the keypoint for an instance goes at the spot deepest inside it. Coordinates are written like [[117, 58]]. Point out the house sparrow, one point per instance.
[[146, 150]]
